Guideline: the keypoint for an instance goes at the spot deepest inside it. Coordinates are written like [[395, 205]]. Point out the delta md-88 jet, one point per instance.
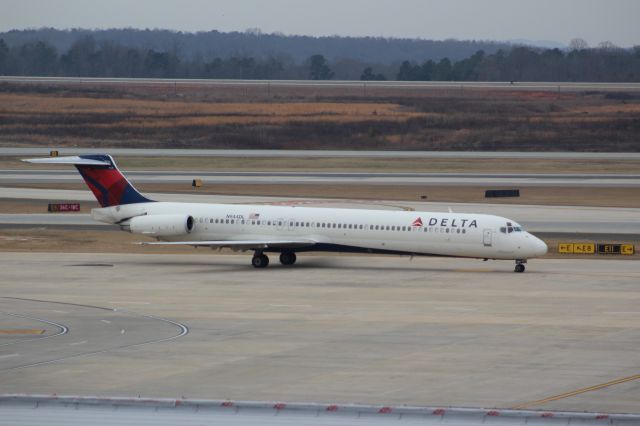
[[288, 230]]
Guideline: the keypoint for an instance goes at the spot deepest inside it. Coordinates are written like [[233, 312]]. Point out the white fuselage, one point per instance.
[[345, 230]]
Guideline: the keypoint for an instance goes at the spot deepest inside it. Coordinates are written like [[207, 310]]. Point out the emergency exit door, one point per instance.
[[487, 237]]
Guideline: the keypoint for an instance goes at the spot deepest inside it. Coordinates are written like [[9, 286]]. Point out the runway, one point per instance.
[[31, 176], [424, 85], [548, 219], [306, 153], [374, 330]]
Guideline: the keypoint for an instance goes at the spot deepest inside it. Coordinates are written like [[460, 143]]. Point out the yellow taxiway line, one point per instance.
[[577, 392]]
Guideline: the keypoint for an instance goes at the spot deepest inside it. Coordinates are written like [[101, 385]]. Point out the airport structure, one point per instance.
[[18, 410]]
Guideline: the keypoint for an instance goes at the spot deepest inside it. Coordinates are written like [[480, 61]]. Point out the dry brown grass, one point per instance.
[[165, 114], [320, 118]]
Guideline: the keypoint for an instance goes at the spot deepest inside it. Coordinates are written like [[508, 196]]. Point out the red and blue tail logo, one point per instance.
[[106, 182]]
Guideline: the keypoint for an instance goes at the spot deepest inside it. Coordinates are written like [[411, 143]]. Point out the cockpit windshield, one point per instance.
[[511, 227]]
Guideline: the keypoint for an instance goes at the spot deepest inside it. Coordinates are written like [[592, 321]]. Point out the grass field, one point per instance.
[[82, 241], [326, 119]]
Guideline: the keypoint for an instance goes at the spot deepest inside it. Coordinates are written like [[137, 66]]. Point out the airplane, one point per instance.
[[288, 230]]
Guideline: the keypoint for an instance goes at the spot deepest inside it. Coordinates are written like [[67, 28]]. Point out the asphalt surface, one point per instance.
[[109, 329], [12, 177], [373, 330], [178, 83], [132, 152]]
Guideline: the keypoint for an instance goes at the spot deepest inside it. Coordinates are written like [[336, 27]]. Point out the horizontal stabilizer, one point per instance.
[[75, 160], [237, 245]]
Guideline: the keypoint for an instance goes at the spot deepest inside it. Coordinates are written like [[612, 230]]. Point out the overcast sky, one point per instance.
[[554, 20]]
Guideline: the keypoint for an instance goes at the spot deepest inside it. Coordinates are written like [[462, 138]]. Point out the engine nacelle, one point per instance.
[[162, 225]]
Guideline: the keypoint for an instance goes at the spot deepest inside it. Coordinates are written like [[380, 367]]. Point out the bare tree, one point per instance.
[[578, 44], [607, 45]]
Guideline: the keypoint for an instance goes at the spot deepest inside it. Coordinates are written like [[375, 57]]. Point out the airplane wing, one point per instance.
[[237, 245]]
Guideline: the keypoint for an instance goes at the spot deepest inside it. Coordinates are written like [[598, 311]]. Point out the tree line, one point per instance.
[[256, 44], [88, 58]]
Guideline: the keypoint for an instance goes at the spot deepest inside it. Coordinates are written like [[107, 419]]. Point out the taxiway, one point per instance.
[[378, 330]]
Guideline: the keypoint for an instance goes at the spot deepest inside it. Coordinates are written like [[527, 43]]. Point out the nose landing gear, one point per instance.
[[520, 265]]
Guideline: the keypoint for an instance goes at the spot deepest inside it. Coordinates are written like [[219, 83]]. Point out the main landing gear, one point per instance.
[[287, 258], [520, 265], [260, 260]]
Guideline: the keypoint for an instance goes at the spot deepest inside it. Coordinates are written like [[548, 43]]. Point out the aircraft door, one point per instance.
[[487, 237]]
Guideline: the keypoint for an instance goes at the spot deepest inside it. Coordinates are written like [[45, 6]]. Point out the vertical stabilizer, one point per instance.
[[102, 176]]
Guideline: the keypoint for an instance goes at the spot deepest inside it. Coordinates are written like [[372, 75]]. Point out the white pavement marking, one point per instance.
[[8, 356], [63, 328]]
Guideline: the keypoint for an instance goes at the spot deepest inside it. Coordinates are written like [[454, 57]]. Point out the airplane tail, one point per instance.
[[102, 176]]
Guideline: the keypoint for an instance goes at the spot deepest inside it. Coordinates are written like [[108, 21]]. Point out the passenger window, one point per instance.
[[510, 229], [503, 230]]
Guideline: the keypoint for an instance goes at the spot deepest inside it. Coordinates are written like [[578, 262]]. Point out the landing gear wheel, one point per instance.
[[519, 268], [260, 261], [287, 258]]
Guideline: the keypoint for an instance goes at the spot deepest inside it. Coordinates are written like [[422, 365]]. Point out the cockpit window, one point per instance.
[[510, 228]]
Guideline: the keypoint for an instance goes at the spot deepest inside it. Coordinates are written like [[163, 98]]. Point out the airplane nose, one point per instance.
[[540, 247]]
